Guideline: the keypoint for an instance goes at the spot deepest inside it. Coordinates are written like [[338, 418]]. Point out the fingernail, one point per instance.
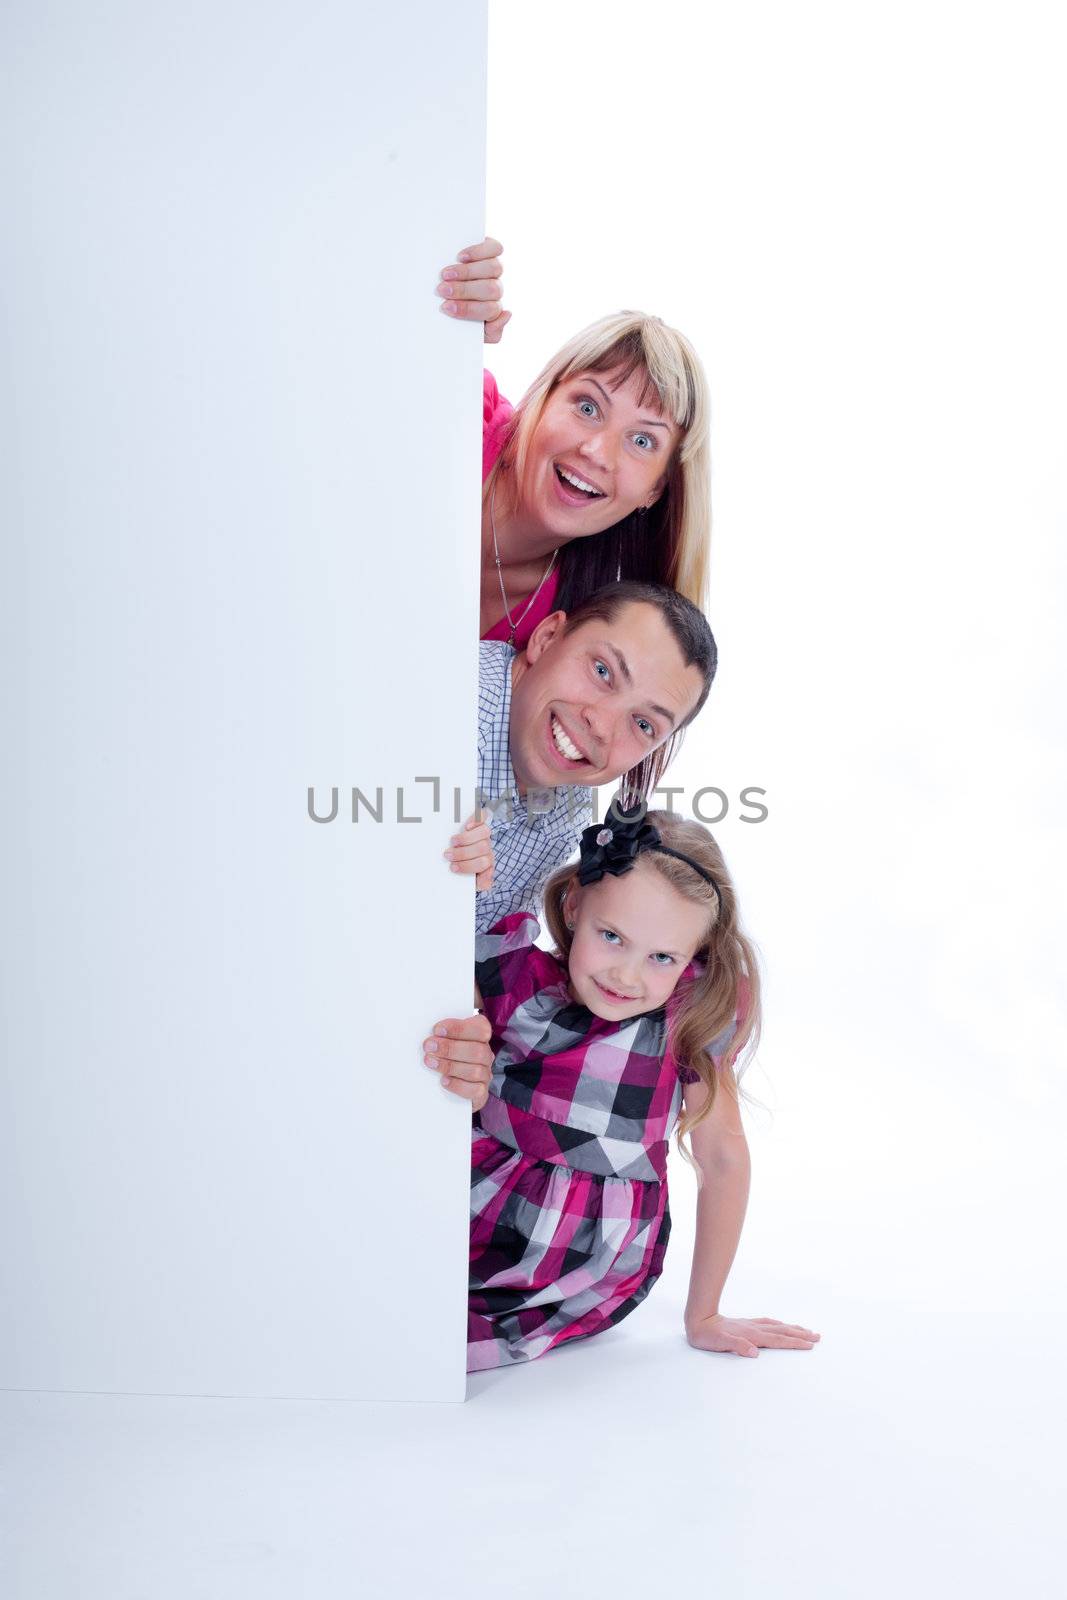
[[447, 854], [464, 255], [445, 1082], [448, 289], [442, 1032], [449, 307], [449, 274], [432, 1045], [434, 1065]]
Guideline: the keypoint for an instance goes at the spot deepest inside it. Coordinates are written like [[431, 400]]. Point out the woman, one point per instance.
[[600, 472]]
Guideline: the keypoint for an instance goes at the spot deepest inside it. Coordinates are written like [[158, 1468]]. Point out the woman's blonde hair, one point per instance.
[[725, 995], [668, 543]]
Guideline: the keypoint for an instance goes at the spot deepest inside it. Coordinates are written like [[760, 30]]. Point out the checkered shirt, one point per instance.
[[533, 834]]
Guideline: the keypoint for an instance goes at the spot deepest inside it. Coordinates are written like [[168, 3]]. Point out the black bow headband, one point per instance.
[[615, 845]]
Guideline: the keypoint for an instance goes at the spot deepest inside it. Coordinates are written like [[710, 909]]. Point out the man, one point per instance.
[[595, 694]]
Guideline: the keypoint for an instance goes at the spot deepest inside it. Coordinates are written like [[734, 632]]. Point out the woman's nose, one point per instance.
[[601, 451]]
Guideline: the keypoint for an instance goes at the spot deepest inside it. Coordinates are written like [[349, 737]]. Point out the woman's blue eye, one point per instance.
[[649, 443], [661, 957], [646, 727], [606, 933], [592, 408], [607, 669]]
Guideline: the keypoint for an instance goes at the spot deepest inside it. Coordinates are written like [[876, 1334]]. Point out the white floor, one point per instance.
[[916, 1451]]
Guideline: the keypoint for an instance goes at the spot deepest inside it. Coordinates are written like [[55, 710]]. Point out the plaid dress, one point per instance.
[[569, 1215]]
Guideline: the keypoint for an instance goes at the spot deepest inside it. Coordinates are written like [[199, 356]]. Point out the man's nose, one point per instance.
[[598, 725]]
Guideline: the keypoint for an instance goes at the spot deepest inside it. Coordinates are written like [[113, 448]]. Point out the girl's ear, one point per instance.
[[571, 902]]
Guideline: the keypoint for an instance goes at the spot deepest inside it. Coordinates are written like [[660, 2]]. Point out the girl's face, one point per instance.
[[634, 936], [596, 455]]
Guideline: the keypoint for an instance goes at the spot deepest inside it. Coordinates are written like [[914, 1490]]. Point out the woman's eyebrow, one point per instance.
[[645, 422]]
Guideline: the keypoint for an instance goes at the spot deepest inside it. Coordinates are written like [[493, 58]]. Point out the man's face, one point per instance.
[[589, 705]]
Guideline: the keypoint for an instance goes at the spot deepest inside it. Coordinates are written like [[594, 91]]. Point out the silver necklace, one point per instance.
[[513, 622]]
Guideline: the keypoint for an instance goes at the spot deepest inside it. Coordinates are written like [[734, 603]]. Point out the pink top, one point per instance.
[[496, 414]]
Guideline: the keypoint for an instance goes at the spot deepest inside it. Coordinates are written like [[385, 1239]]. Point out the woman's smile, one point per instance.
[[574, 488]]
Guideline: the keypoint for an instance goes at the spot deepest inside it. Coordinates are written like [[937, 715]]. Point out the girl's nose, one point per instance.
[[626, 980]]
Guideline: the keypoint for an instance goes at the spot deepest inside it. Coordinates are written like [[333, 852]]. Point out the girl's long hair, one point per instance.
[[726, 993], [668, 543]]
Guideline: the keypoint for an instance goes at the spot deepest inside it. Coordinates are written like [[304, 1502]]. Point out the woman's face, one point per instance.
[[596, 455]]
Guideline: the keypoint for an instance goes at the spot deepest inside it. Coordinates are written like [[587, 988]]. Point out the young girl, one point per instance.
[[595, 1049], [600, 472]]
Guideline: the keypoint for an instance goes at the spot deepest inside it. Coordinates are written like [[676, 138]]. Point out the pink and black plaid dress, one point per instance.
[[569, 1216]]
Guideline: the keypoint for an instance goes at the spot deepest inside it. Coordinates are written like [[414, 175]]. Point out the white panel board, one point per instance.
[[239, 507]]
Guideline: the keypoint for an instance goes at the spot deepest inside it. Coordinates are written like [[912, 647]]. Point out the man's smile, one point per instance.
[[566, 752]]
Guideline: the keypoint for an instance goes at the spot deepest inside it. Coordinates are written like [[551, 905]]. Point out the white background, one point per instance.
[[854, 212], [226, 551], [856, 215]]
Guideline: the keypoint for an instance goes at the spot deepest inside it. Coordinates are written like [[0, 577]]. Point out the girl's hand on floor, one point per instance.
[[459, 1050], [471, 850], [746, 1336], [470, 288]]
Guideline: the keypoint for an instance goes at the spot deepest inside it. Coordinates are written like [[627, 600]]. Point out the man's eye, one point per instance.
[[607, 670]]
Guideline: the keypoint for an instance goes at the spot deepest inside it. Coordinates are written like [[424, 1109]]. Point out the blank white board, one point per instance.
[[240, 502]]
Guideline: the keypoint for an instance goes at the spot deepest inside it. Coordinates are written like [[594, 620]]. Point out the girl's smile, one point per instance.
[[612, 997]]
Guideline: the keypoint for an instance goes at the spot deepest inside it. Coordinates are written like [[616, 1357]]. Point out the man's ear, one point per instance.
[[547, 629]]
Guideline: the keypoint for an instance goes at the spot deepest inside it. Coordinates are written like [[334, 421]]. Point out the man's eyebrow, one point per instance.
[[627, 678], [620, 662], [645, 422]]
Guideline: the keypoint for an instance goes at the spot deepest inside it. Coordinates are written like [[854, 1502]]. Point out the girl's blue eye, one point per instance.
[[661, 957], [607, 669], [606, 933], [646, 727]]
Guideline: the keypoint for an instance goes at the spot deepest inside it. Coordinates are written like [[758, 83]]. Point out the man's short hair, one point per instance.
[[687, 623]]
